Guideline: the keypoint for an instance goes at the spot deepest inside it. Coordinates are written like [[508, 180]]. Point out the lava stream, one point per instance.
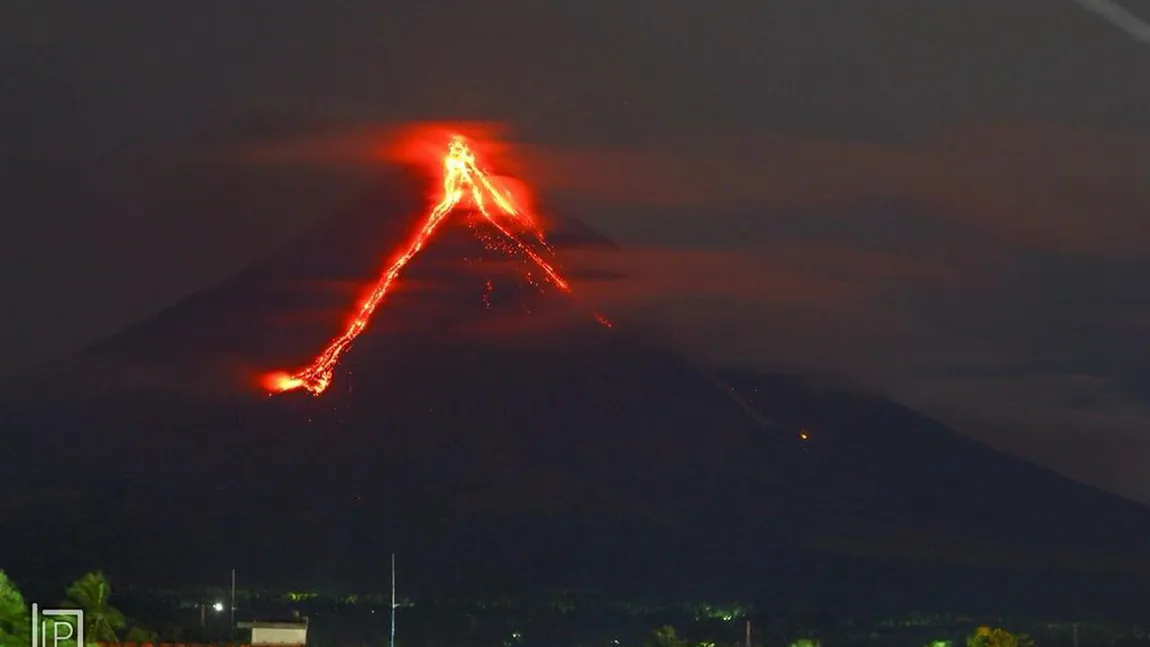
[[462, 177]]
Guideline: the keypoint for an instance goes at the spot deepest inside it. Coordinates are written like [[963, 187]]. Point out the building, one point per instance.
[[279, 634]]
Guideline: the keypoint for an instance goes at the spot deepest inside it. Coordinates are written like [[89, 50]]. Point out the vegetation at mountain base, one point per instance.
[[15, 622], [91, 593], [586, 617], [986, 636]]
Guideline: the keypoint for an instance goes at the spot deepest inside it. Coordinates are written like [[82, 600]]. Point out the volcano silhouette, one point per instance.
[[493, 434]]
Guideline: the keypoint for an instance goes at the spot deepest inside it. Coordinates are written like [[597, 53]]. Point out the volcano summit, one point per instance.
[[462, 179], [497, 437]]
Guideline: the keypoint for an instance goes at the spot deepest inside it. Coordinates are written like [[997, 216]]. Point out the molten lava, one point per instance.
[[463, 179]]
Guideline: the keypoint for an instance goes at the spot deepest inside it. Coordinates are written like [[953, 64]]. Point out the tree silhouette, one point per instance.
[[15, 622], [137, 634], [92, 593], [997, 637], [666, 636]]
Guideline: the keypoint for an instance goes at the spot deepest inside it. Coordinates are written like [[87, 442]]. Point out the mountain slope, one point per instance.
[[494, 433], [913, 470], [454, 410]]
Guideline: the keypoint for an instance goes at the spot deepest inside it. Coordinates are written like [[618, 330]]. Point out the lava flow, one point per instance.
[[462, 179]]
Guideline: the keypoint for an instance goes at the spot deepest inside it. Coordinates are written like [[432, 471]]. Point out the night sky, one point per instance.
[[947, 201]]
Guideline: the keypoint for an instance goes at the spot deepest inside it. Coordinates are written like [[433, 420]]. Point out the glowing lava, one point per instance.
[[462, 179]]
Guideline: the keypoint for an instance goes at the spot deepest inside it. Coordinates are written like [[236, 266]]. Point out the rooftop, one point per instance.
[[271, 625]]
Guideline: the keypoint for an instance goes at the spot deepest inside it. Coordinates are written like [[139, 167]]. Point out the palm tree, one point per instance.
[[102, 621]]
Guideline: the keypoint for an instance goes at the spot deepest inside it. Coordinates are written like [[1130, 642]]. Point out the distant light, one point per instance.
[[803, 435], [217, 607]]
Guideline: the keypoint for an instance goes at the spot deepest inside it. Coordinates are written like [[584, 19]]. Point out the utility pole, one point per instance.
[[391, 639], [749, 634], [232, 623], [1075, 634]]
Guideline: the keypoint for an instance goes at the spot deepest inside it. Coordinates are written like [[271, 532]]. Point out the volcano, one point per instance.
[[493, 433]]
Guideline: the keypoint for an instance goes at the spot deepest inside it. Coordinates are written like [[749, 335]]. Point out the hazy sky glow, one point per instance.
[[947, 201]]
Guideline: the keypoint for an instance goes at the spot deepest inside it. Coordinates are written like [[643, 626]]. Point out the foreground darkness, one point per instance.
[[518, 447]]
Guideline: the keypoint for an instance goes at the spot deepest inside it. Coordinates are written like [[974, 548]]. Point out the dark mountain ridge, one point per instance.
[[494, 434], [919, 468]]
